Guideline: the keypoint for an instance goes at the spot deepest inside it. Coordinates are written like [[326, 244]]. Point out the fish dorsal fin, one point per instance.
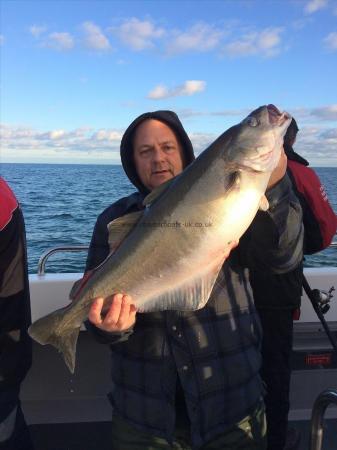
[[119, 228], [153, 195]]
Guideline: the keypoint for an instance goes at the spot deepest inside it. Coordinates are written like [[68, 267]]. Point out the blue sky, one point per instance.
[[74, 74]]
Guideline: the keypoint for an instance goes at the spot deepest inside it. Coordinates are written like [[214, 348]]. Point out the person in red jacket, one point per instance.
[[319, 219], [277, 297], [15, 317]]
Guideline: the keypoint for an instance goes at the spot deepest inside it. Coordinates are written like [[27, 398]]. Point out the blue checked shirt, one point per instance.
[[214, 352]]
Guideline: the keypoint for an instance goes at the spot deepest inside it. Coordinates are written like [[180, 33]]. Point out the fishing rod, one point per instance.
[[320, 301]]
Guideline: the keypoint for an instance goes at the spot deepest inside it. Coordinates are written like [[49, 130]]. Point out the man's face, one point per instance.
[[157, 153]]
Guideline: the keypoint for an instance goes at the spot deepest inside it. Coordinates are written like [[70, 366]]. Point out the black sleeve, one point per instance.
[[98, 252], [274, 241], [99, 247], [104, 337]]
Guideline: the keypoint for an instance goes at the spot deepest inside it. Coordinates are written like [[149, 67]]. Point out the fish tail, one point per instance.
[[56, 330]]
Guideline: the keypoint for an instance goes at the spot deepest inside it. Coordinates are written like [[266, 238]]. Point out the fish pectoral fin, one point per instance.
[[56, 330], [119, 228], [189, 296], [153, 195], [264, 204]]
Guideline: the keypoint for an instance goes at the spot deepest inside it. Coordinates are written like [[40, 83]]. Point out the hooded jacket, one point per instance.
[[213, 353]]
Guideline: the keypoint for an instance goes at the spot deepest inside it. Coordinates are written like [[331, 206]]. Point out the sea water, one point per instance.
[[61, 203]]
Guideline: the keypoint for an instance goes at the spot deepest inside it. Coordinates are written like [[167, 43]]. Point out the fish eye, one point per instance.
[[252, 121]]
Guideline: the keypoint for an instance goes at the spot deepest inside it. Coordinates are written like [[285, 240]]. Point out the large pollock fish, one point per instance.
[[169, 255]]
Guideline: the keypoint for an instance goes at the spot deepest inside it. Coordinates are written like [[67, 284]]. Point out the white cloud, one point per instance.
[[59, 41], [145, 34], [107, 135], [318, 145], [187, 113], [265, 43], [314, 5], [331, 41], [330, 134], [31, 144], [240, 113], [301, 23], [94, 37], [159, 91], [37, 30], [190, 87], [325, 112], [310, 116], [138, 34], [53, 135], [201, 141], [200, 37], [7, 132], [81, 140], [2, 39]]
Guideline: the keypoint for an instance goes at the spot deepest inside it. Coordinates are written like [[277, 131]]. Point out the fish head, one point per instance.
[[257, 141]]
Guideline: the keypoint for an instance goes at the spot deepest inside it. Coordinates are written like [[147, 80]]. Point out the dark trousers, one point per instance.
[[12, 423], [248, 434], [277, 342]]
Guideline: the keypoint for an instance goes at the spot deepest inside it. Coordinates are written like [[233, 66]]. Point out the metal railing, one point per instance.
[[43, 258], [80, 248], [324, 399]]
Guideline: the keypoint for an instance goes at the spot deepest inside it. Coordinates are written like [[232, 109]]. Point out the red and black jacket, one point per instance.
[[319, 219], [15, 317]]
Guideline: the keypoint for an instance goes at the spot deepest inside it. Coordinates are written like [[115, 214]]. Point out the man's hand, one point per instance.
[[279, 171], [120, 316]]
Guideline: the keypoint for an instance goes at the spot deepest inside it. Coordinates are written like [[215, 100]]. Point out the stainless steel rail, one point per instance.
[[81, 248], [324, 399], [45, 256]]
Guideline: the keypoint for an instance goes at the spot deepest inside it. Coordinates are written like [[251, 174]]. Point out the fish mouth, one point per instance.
[[275, 116]]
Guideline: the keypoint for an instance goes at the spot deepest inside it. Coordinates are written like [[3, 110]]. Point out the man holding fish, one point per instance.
[[175, 303]]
